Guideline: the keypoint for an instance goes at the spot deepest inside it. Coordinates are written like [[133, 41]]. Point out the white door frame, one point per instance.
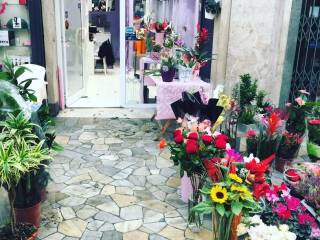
[[122, 53]]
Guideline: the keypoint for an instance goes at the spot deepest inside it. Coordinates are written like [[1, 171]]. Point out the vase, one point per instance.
[[224, 227], [185, 74], [159, 38], [167, 74], [186, 188]]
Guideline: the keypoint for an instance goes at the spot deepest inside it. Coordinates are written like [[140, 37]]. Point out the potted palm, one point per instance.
[[20, 156]]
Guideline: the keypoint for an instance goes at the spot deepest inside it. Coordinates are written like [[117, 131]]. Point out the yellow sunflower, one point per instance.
[[235, 177], [243, 190], [219, 194]]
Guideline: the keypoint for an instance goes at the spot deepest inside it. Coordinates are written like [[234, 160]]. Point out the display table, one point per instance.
[[169, 92]]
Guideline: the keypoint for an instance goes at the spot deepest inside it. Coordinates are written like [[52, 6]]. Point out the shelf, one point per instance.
[[15, 47]]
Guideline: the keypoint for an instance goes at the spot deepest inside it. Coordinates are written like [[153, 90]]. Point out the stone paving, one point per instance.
[[112, 182]]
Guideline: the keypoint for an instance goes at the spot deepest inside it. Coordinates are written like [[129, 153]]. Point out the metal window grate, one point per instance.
[[306, 72]]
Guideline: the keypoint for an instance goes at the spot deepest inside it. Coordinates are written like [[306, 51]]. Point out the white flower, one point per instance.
[[250, 158], [284, 227], [256, 219]]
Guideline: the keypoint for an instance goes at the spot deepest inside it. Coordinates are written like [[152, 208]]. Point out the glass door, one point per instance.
[[72, 40]]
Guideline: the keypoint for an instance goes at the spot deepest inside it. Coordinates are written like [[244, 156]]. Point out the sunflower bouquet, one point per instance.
[[227, 199]]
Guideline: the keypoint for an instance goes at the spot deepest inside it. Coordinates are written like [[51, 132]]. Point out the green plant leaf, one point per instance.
[[220, 209], [204, 207], [236, 207]]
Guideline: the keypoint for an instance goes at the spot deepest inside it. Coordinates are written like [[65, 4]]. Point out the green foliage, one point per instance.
[[11, 75], [169, 62], [245, 92], [8, 104], [247, 115]]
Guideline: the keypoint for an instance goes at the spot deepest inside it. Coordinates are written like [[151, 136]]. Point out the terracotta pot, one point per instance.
[[34, 236], [29, 215]]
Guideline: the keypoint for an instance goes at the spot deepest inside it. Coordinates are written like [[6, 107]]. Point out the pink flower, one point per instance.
[[315, 232], [272, 195], [251, 133], [293, 203], [305, 218], [282, 211]]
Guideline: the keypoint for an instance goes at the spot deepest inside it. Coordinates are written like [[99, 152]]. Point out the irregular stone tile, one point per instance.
[[151, 216], [110, 158], [128, 226], [173, 182], [163, 163], [138, 151], [59, 179], [131, 213], [110, 207], [107, 217], [122, 183], [72, 228], [137, 180], [108, 190], [63, 140], [156, 180], [106, 227], [123, 174], [114, 235], [126, 152], [101, 178], [72, 201], [168, 172], [203, 234], [53, 197], [174, 200], [167, 189], [67, 213], [45, 231], [124, 190], [160, 195], [135, 235], [156, 205], [78, 179], [177, 222], [100, 147], [55, 236], [172, 214], [94, 225], [143, 195], [156, 237], [124, 200], [155, 227], [154, 171], [172, 233], [86, 212], [112, 141], [87, 136], [91, 235], [99, 141], [83, 190], [123, 164], [143, 171], [98, 200]]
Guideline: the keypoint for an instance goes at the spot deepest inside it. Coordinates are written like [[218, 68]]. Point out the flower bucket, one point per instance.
[[185, 74], [186, 188], [167, 74], [159, 38], [224, 227]]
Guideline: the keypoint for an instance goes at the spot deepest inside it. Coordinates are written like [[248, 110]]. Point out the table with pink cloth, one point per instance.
[[169, 92]]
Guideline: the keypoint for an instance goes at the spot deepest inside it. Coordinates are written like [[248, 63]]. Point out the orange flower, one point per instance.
[[162, 144], [274, 122]]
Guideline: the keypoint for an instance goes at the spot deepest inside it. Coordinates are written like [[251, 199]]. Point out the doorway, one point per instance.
[[90, 33]]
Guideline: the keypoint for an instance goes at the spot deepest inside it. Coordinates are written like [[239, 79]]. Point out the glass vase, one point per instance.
[[222, 226]]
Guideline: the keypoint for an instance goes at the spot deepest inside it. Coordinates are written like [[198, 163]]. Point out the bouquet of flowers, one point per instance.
[[283, 208], [229, 194]]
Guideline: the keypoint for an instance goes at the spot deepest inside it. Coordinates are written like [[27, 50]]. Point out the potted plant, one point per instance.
[[213, 8], [168, 69], [160, 28], [288, 149], [313, 145], [20, 155], [252, 142]]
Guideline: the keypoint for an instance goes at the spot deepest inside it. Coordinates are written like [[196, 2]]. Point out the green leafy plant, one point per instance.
[[19, 155], [11, 74], [245, 92]]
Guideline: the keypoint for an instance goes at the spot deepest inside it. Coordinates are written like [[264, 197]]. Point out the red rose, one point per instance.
[[221, 141], [177, 132], [192, 146], [178, 139], [206, 139], [193, 135]]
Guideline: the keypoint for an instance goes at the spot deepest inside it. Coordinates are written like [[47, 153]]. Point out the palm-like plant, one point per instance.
[[19, 155]]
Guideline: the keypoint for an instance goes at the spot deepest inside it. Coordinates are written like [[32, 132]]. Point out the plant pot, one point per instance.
[[290, 178], [34, 236], [280, 163], [159, 38], [167, 74], [29, 215], [43, 195], [243, 128]]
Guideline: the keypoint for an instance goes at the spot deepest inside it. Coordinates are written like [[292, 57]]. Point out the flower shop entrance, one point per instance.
[[306, 72]]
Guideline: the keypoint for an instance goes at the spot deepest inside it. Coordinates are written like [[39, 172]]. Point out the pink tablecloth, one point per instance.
[[168, 93]]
